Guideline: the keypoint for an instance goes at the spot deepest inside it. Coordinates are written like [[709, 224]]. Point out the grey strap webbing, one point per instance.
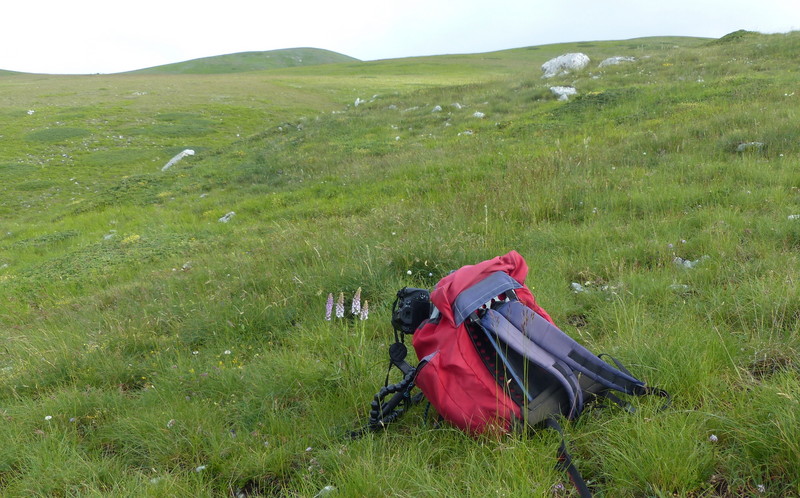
[[482, 293]]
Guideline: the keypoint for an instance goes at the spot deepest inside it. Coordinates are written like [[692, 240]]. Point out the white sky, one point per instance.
[[102, 36]]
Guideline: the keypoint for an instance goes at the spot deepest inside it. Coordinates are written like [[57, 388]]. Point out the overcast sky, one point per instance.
[[102, 36]]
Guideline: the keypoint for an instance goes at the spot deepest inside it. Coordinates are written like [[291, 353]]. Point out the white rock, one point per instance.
[[563, 92], [438, 108], [564, 64], [479, 115], [689, 264], [749, 145], [227, 217], [187, 152], [327, 490], [613, 61], [679, 288]]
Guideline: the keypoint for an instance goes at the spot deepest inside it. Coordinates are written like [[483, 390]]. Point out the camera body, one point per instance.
[[411, 308]]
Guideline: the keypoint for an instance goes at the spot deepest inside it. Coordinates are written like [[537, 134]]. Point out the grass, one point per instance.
[[149, 349]]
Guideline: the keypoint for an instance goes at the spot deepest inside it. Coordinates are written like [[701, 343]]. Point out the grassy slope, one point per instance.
[[180, 355], [251, 61]]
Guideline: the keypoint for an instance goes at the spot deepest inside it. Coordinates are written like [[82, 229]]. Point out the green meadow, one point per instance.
[[149, 349]]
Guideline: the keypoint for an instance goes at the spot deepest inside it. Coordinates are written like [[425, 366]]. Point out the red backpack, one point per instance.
[[454, 377], [492, 359]]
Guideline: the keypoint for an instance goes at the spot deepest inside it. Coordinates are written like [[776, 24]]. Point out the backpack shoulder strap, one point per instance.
[[493, 322], [551, 339]]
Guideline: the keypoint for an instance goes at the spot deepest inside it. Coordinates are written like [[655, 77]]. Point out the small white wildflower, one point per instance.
[[30, 112], [713, 438], [761, 488], [200, 468], [49, 417], [227, 351], [170, 423], [309, 449], [408, 272], [479, 115], [355, 308], [195, 352], [340, 306]]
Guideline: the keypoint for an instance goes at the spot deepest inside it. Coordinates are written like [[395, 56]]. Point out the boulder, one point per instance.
[[564, 64], [178, 157], [613, 61], [749, 145], [563, 92]]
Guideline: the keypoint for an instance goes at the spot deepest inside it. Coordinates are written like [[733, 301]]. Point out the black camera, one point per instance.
[[411, 307]]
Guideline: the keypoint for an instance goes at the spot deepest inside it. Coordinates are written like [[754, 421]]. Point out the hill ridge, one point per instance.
[[250, 61]]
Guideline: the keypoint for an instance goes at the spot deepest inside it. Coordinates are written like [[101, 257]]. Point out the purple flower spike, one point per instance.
[[329, 306], [365, 310], [355, 309]]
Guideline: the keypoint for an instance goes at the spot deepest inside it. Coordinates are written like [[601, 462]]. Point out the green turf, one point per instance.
[[148, 349]]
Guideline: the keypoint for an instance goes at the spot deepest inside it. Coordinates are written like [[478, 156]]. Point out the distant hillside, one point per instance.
[[250, 61]]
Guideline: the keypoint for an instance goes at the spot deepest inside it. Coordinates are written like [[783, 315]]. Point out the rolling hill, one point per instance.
[[250, 61]]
